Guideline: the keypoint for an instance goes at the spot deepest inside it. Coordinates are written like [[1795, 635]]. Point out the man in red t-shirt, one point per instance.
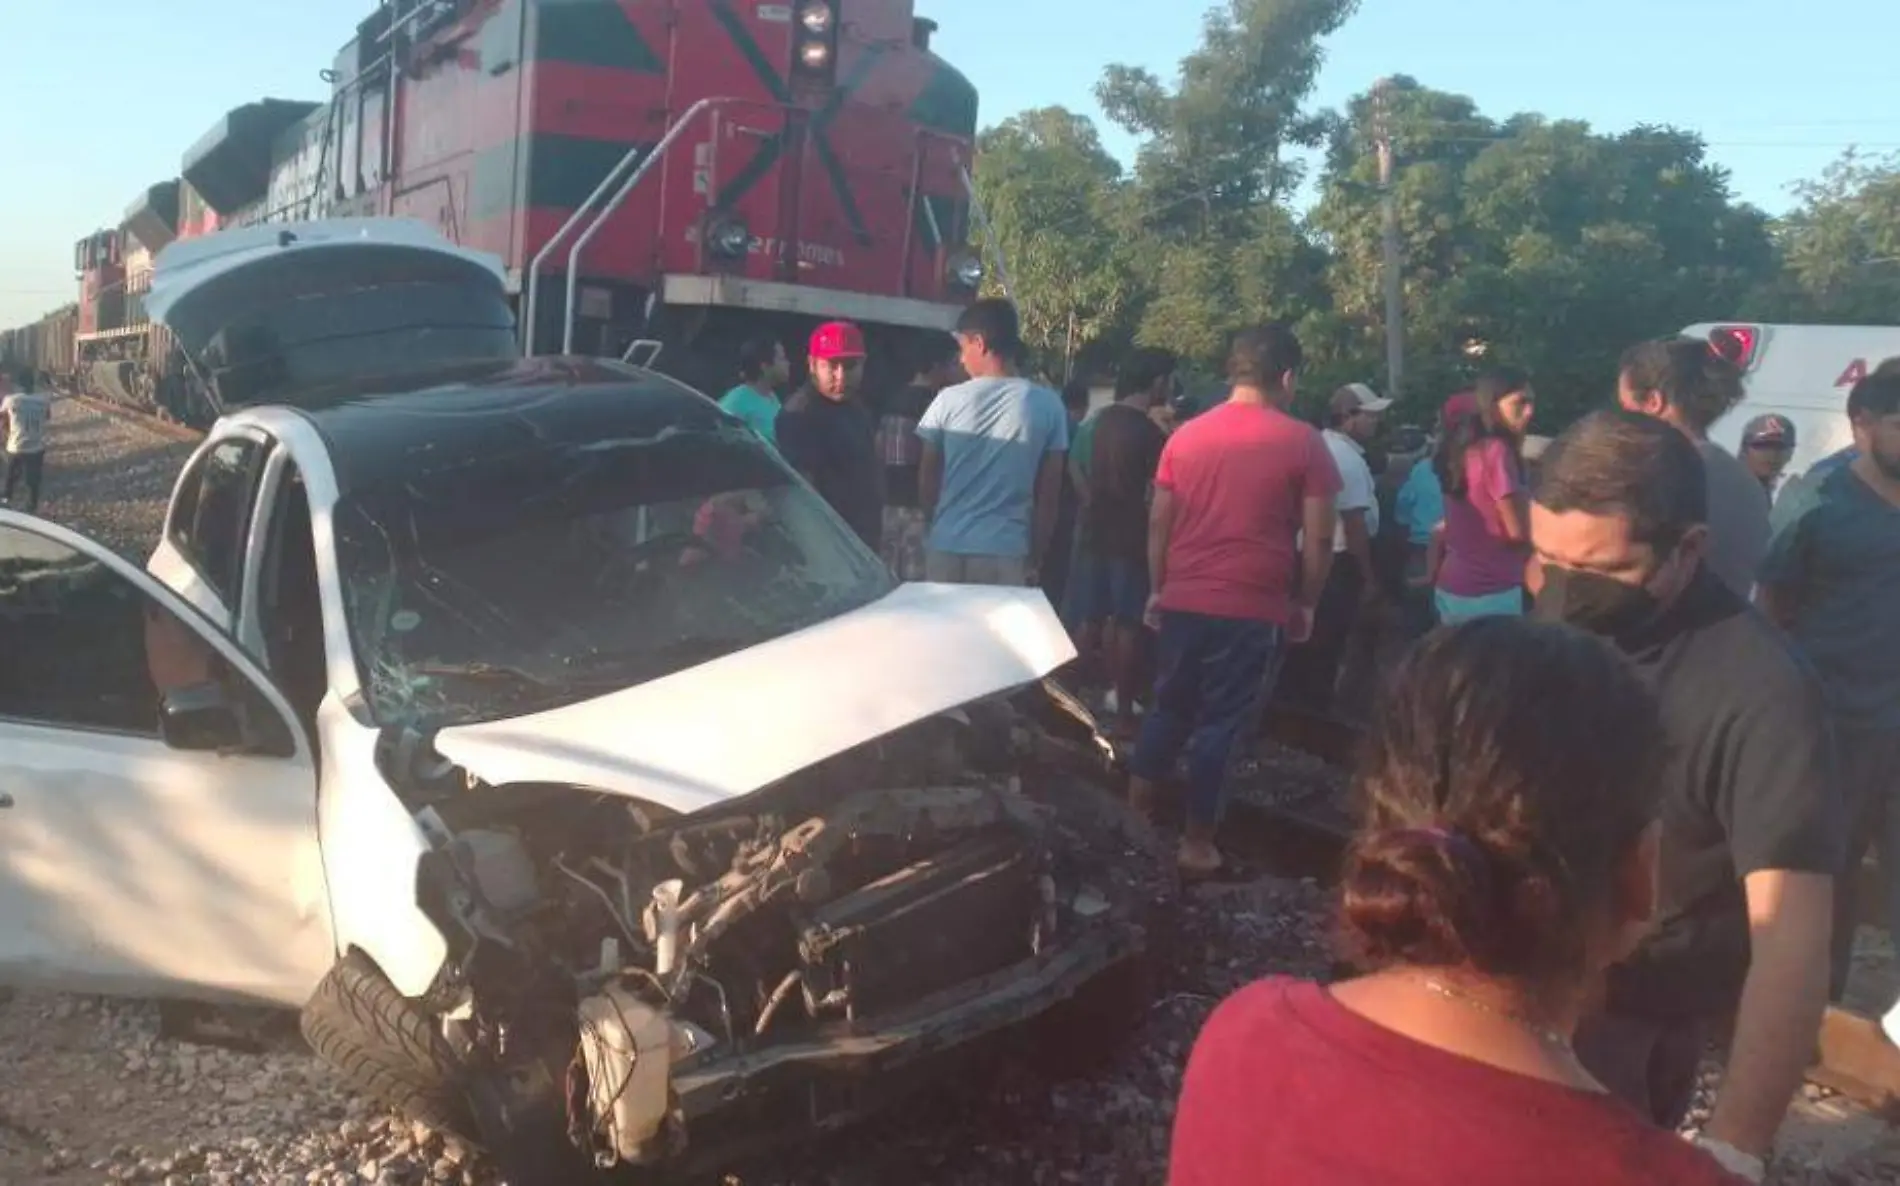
[[1235, 488]]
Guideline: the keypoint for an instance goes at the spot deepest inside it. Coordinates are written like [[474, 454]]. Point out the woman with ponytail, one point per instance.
[[1506, 859]]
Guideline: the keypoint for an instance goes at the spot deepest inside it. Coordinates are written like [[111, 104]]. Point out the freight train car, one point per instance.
[[691, 172], [44, 348], [119, 353]]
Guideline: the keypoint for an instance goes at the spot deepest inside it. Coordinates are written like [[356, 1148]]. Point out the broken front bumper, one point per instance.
[[742, 1106]]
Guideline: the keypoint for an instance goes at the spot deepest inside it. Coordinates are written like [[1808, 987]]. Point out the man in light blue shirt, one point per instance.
[[1802, 493], [764, 368], [994, 449]]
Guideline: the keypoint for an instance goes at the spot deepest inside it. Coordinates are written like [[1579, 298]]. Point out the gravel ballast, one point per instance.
[[99, 1091], [109, 477]]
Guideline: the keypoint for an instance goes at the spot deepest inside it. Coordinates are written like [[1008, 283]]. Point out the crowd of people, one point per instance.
[[1642, 733]]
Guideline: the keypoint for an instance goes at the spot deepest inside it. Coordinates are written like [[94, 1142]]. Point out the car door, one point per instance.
[[204, 551], [158, 801]]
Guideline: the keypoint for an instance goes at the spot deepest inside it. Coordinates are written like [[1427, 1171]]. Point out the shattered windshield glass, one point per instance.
[[495, 586]]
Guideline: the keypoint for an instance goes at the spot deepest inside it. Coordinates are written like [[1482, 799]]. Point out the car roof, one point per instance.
[[376, 431]]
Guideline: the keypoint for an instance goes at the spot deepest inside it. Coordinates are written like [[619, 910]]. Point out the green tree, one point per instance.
[[1554, 246], [1840, 249], [1270, 269], [1052, 191], [1206, 209], [1214, 146]]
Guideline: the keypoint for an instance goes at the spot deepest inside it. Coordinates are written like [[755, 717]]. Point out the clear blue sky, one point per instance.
[[103, 96]]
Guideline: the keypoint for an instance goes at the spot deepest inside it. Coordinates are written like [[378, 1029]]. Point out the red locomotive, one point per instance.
[[686, 171]]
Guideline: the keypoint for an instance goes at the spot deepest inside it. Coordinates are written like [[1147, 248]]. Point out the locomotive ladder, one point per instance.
[[640, 160]]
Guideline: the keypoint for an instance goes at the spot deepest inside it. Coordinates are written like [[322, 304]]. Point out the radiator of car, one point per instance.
[[953, 917]]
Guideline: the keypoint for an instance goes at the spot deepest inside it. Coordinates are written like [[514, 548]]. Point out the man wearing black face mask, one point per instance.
[[1753, 822]]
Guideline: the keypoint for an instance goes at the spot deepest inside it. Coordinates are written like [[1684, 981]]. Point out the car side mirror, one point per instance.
[[201, 718]]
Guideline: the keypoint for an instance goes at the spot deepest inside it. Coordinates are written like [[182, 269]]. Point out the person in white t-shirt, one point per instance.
[[1312, 668], [24, 415]]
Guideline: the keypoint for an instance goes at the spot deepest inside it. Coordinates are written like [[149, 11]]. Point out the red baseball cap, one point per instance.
[[1465, 403], [837, 339]]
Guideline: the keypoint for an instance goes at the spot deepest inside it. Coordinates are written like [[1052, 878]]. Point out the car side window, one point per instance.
[[211, 516], [82, 647]]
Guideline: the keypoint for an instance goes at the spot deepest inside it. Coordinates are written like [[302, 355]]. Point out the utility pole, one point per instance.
[[1388, 201]]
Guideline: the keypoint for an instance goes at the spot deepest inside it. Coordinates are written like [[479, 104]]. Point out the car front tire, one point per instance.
[[385, 1047]]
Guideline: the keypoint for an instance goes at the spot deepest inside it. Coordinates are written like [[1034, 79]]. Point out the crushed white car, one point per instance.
[[561, 755]]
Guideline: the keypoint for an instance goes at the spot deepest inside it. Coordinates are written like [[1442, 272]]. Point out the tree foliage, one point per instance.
[[1553, 246], [1534, 241], [1840, 249], [1051, 191], [1207, 205], [1214, 145]]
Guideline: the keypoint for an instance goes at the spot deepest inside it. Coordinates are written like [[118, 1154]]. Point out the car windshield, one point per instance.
[[499, 586]]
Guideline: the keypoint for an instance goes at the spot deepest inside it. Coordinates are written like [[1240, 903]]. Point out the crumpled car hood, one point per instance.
[[729, 727]]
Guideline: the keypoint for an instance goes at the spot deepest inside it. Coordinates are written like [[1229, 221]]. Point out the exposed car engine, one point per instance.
[[630, 971]]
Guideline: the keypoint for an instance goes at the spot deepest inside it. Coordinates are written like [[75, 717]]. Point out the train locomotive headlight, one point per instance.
[[729, 239], [816, 18], [966, 270], [815, 50]]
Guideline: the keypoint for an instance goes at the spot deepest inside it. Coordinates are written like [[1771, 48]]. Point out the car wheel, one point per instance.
[[386, 1048]]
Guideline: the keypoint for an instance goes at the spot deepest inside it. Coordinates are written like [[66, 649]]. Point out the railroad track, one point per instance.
[[1854, 1058], [159, 425]]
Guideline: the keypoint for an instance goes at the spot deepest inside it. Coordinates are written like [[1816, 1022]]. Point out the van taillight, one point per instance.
[[1737, 343]]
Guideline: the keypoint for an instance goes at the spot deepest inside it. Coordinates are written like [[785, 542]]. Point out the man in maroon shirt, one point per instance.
[[1235, 487]]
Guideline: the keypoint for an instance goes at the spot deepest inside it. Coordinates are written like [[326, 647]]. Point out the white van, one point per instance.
[[1804, 372]]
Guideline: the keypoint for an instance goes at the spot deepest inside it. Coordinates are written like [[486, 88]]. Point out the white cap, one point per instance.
[[1357, 397]]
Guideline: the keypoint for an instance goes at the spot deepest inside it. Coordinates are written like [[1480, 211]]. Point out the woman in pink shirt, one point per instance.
[[1480, 558], [1506, 859]]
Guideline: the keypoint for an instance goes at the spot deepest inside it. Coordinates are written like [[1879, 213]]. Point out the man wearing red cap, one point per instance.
[[829, 436]]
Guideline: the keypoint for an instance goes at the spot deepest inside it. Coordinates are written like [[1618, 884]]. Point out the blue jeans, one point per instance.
[[1213, 675], [1124, 590], [1082, 601], [1418, 604]]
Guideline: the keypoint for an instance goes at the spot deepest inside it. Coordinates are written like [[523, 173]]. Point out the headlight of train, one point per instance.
[[814, 55], [729, 239], [816, 18], [966, 270]]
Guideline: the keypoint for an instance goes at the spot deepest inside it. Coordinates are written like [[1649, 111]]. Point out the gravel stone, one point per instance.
[[109, 477]]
